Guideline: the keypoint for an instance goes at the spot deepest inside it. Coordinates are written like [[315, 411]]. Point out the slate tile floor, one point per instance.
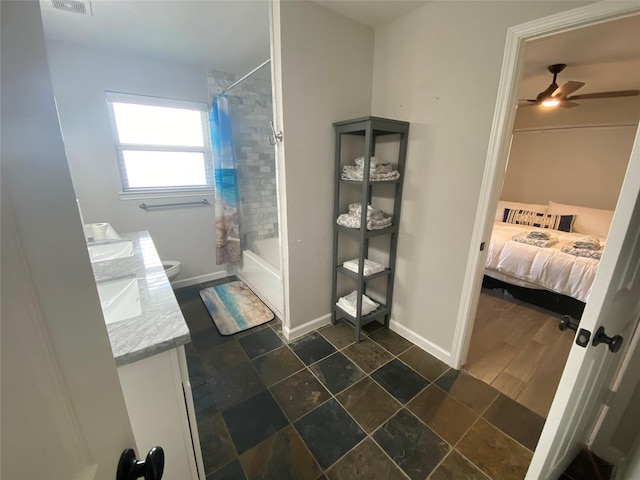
[[322, 407]]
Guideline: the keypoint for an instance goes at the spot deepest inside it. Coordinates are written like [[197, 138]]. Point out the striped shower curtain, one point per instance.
[[226, 184]]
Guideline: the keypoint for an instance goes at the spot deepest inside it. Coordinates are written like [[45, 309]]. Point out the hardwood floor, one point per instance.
[[518, 349]]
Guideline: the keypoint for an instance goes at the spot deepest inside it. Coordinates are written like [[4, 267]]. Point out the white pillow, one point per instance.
[[592, 221], [532, 207]]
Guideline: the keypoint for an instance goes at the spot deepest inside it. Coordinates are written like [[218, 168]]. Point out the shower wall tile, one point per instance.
[[251, 110]]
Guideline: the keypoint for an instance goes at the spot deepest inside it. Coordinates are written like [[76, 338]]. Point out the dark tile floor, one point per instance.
[[322, 407]]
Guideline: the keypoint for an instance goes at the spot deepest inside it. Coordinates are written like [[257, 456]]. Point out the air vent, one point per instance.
[[74, 6]]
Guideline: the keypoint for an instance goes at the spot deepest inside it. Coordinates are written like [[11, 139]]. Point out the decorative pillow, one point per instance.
[[533, 207], [564, 223], [590, 221]]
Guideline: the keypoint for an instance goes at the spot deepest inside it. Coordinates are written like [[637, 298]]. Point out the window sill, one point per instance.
[[151, 194]]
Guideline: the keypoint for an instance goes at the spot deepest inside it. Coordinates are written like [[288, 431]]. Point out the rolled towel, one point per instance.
[[372, 213], [589, 243], [538, 235], [353, 221], [374, 161]]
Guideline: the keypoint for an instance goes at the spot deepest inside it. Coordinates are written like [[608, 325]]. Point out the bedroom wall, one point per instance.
[[578, 166], [324, 65], [438, 68], [80, 77], [576, 156]]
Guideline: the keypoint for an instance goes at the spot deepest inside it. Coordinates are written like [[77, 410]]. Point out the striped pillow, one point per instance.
[[564, 223]]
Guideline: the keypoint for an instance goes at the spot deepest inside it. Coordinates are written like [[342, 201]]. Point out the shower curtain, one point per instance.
[[226, 185]]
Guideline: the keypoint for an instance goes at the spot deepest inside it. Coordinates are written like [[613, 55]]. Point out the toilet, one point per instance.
[[172, 269]]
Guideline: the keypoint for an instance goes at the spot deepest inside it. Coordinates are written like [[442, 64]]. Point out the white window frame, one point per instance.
[[159, 192]]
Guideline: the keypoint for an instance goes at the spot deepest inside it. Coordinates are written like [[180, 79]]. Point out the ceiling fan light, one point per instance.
[[550, 102]]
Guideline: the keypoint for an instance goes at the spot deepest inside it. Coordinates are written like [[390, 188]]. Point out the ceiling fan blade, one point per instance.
[[619, 93], [567, 89]]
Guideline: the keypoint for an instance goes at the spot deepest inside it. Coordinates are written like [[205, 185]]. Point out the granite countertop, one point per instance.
[[161, 325]]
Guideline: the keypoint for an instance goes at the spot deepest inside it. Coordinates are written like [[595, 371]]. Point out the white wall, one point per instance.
[[326, 64], [37, 185], [80, 76], [438, 68]]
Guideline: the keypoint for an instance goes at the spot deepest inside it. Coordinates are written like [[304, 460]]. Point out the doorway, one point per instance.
[[561, 161], [558, 442]]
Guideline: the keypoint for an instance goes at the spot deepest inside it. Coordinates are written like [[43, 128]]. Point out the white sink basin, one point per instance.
[[109, 251], [120, 299]]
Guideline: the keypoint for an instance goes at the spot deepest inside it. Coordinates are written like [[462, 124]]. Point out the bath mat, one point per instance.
[[234, 307]]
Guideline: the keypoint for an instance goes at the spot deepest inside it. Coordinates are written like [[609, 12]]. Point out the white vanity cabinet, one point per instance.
[[148, 348], [158, 396]]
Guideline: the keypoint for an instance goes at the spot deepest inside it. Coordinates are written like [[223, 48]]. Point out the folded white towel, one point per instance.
[[348, 303], [369, 267]]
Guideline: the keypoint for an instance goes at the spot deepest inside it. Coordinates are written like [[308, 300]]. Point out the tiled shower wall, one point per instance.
[[251, 111]]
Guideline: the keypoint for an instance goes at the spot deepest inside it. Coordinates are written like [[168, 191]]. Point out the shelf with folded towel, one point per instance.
[[354, 275], [369, 233], [382, 146], [381, 311], [371, 182]]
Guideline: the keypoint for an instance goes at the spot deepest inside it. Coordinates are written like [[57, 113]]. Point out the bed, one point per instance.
[[547, 268]]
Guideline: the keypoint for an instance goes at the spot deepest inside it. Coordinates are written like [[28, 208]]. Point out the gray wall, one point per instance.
[[576, 156], [326, 63], [578, 166], [251, 110]]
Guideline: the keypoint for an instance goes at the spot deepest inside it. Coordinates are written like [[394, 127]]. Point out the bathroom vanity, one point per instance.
[[147, 333]]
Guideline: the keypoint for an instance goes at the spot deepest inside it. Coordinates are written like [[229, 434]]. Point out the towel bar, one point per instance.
[[144, 206]]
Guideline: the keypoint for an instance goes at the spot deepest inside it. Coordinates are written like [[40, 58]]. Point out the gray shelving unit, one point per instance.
[[372, 129]]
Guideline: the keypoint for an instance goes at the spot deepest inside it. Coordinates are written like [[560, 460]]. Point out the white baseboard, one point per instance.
[[305, 328], [187, 282], [421, 342]]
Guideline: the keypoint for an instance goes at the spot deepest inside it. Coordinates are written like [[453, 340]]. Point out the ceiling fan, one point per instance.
[[554, 96]]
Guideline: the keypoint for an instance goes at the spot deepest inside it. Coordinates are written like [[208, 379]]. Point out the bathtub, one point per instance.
[[260, 270]]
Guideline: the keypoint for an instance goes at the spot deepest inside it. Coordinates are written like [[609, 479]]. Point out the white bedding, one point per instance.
[[546, 268]]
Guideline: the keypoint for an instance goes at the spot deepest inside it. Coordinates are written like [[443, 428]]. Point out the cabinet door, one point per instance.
[[157, 403]]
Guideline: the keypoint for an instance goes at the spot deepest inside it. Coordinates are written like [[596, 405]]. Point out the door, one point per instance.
[[614, 304], [63, 412]]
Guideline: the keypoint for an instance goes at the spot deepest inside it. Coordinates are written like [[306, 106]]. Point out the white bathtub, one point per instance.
[[260, 270], [269, 250]]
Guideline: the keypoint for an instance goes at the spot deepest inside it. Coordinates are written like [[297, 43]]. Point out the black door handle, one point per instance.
[[615, 342], [151, 469]]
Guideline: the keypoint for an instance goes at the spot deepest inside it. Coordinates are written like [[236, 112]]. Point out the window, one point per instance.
[[162, 145]]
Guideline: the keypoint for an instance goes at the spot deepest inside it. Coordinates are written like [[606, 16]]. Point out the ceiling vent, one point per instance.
[[74, 6]]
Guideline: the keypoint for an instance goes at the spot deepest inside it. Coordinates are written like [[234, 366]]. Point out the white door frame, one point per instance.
[[500, 143]]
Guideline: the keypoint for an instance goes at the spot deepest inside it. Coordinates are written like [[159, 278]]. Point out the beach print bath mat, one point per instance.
[[234, 307]]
